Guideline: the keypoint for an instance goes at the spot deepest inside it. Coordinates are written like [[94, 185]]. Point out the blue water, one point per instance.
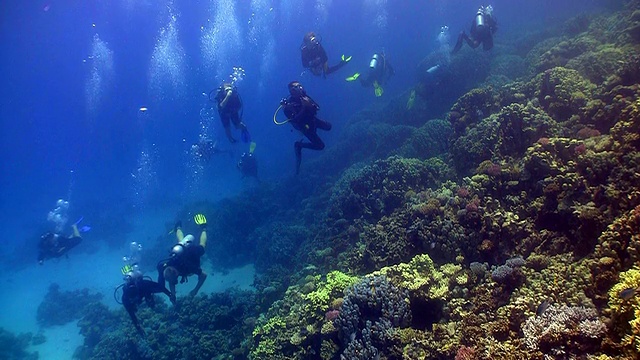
[[75, 75]]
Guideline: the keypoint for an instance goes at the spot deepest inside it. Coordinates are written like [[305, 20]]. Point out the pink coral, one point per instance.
[[494, 170], [463, 192], [331, 315], [465, 353]]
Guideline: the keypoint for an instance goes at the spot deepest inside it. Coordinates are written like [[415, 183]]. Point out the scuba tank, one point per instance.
[[374, 61], [479, 20]]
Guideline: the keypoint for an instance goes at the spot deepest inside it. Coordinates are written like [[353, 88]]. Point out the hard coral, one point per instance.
[[564, 331]]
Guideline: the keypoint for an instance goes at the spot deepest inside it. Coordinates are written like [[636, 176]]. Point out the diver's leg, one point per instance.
[[472, 42], [330, 69], [315, 142], [226, 123], [237, 122], [323, 125], [458, 46], [227, 131]]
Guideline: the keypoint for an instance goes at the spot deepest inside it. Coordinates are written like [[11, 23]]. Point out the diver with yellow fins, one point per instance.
[[380, 71], [248, 165], [184, 260], [315, 58], [136, 289]]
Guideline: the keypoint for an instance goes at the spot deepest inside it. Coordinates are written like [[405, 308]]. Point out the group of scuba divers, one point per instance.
[[183, 261], [300, 110]]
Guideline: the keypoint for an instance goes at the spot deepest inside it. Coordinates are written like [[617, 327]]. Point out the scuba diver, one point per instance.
[[380, 71], [230, 108], [301, 112], [483, 27], [185, 258], [248, 165], [135, 289], [206, 148], [53, 245], [315, 58]]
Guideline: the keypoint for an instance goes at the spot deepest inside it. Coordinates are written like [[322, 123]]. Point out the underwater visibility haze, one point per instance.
[[320, 179]]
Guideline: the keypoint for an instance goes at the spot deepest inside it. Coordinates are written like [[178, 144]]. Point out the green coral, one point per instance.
[[320, 299], [418, 275], [627, 308], [291, 324]]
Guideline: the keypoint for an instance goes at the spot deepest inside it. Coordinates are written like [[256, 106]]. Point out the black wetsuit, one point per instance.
[[479, 34], [186, 263], [381, 73], [135, 291], [315, 59], [231, 111], [248, 165], [301, 112], [55, 245]]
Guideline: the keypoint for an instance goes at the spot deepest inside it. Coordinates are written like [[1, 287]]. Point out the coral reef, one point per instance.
[[506, 230], [202, 327], [60, 307], [14, 347]]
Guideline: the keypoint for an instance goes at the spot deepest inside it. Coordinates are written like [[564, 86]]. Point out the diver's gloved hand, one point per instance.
[[200, 220], [283, 102]]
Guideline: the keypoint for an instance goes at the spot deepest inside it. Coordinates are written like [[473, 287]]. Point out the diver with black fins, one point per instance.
[[135, 289], [230, 110], [248, 165], [315, 58], [301, 111], [483, 27], [380, 71]]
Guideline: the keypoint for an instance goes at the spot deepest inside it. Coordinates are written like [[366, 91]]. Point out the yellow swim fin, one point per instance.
[[353, 77], [377, 89], [346, 58], [126, 269], [252, 147], [412, 99], [200, 219]]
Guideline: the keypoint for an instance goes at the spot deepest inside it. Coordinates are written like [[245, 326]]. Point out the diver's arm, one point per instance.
[[227, 96], [201, 278], [131, 310]]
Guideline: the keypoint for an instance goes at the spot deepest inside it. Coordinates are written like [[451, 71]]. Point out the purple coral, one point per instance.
[[501, 273], [371, 309]]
